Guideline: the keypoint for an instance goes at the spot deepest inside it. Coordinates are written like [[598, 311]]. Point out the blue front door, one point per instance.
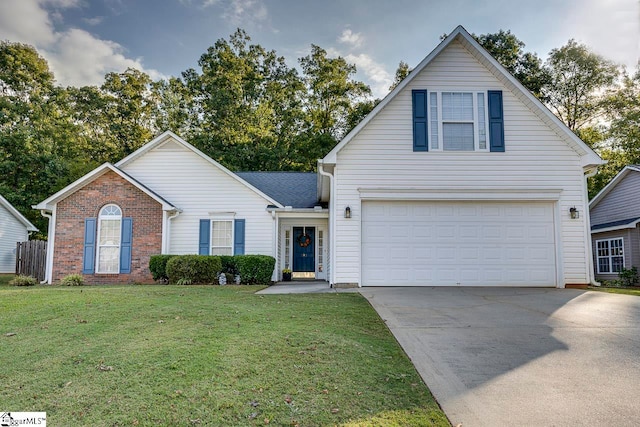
[[304, 242]]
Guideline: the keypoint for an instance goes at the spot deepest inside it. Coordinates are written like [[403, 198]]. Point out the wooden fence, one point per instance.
[[31, 258]]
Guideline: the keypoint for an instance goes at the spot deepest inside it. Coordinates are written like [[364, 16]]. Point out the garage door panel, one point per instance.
[[458, 243]]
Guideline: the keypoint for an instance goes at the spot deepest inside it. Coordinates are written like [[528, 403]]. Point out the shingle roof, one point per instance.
[[295, 189], [614, 223]]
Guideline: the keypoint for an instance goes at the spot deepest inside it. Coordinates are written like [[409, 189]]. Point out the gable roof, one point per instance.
[[165, 136], [589, 158], [610, 186], [13, 211], [295, 189], [49, 203]]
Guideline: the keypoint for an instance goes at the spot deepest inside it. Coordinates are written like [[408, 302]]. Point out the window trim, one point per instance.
[[475, 122], [100, 218], [233, 232], [609, 257]]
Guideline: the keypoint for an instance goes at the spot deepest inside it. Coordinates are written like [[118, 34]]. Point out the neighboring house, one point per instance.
[[459, 177], [14, 228], [615, 215]]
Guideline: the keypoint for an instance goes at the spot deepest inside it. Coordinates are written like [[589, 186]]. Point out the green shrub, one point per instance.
[[72, 280], [158, 267], [629, 277], [193, 269], [229, 264], [255, 269], [23, 281]]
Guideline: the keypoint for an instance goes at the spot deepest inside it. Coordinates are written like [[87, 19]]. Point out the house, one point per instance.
[[169, 197], [14, 228], [459, 177], [615, 215]]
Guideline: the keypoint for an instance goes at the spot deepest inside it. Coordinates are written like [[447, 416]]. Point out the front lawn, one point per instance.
[[192, 355]]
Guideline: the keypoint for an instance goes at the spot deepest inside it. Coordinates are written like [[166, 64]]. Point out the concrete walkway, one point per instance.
[[302, 287], [521, 357]]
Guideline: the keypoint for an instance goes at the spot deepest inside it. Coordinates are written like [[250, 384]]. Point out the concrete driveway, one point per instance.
[[521, 357]]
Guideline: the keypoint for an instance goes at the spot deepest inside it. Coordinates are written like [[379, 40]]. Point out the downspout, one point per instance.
[[49, 245], [166, 233], [587, 226], [332, 220]]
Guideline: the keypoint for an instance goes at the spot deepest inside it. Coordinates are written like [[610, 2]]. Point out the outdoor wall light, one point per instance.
[[347, 212], [574, 213]]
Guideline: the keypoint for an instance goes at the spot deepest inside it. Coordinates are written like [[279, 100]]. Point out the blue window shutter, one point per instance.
[[496, 121], [238, 237], [125, 245], [205, 236], [419, 98], [89, 255]]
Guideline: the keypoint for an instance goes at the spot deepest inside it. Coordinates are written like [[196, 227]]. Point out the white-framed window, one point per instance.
[[221, 237], [610, 255], [458, 121], [109, 236]]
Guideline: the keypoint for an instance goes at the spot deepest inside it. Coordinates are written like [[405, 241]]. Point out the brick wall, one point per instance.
[[86, 203]]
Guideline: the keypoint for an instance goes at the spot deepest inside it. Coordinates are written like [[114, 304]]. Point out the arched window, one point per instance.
[[109, 240]]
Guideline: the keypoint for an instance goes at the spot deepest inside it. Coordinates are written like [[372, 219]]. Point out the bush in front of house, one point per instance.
[[158, 267], [72, 280], [193, 269], [23, 280], [255, 269], [229, 264], [628, 276]]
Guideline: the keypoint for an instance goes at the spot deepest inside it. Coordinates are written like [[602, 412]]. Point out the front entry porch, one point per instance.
[[303, 247]]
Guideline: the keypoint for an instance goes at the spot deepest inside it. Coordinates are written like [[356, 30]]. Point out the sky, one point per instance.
[[84, 39]]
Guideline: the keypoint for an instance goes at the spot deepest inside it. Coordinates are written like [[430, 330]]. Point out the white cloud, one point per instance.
[[75, 56], [378, 77], [237, 12], [94, 21], [610, 27], [353, 39], [241, 12]]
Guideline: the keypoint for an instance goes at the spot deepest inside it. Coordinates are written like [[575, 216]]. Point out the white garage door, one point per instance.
[[458, 244]]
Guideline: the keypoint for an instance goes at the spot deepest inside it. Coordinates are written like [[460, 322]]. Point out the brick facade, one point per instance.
[[86, 203]]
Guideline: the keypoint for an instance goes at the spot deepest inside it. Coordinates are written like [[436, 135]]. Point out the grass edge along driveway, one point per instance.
[[204, 355]]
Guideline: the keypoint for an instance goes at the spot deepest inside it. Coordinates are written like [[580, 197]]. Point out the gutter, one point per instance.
[[332, 220], [587, 226], [49, 245]]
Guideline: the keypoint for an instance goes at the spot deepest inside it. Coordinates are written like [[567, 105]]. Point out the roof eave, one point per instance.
[[30, 227]]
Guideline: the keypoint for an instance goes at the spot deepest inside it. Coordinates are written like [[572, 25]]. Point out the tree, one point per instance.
[[578, 80], [250, 103], [508, 50], [623, 111], [128, 109], [332, 92], [402, 72], [37, 131]]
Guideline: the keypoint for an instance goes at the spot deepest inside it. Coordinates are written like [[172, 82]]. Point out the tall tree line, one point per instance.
[[246, 108]]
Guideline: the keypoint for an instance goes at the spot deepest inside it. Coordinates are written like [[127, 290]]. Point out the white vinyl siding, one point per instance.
[[12, 231], [201, 190], [610, 255], [381, 156]]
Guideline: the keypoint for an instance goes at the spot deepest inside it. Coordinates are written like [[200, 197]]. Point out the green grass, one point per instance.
[[219, 356], [624, 291], [4, 281]]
